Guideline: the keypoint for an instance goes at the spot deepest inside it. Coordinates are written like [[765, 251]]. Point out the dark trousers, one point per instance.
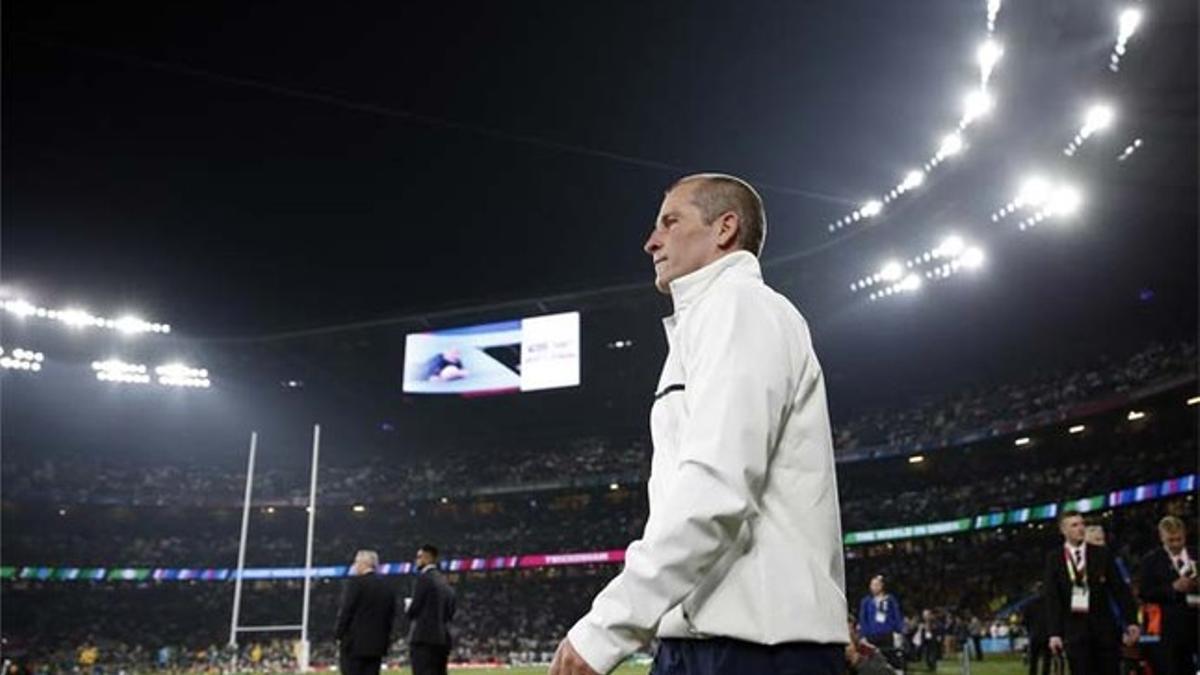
[[726, 656], [1039, 655], [429, 659], [1094, 657], [1180, 655], [359, 665], [978, 640], [931, 651]]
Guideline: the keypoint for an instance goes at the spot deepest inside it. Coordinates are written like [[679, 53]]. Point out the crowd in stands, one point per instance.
[[518, 616], [944, 418], [96, 478], [94, 512], [1112, 454]]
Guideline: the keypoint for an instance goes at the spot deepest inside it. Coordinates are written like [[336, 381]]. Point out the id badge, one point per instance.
[[1193, 599], [881, 617], [1079, 599]]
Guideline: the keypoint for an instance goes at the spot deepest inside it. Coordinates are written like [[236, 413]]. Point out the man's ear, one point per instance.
[[729, 228]]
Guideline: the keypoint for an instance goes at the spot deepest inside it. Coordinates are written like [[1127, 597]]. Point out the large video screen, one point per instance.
[[531, 354]]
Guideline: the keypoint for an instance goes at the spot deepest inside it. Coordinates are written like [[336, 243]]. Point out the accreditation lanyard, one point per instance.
[[1080, 602]]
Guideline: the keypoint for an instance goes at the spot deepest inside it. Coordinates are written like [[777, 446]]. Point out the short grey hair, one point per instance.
[[367, 557], [720, 193]]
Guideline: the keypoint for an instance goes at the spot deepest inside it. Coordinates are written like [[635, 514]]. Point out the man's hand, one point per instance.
[[1056, 644], [1184, 584], [567, 661], [1132, 633]]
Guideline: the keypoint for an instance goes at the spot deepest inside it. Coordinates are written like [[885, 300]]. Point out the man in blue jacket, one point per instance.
[[879, 616]]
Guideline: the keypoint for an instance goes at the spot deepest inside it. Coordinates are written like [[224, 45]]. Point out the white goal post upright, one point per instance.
[[241, 563], [308, 555], [303, 654]]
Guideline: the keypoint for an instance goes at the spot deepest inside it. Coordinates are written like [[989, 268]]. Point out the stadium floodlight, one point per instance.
[[20, 307], [911, 283], [270, 509], [871, 208], [988, 54], [180, 375], [118, 371], [1129, 150], [1034, 191], [1065, 201], [1195, 400], [951, 145], [1127, 23], [950, 247], [1097, 118], [972, 258], [131, 325], [916, 459], [1077, 429], [359, 508], [80, 318], [1022, 441], [1135, 415], [613, 487], [976, 104], [891, 271], [912, 180], [993, 9]]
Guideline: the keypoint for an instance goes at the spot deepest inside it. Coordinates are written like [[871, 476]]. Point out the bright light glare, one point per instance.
[[916, 459], [130, 325], [989, 54], [951, 246], [911, 283], [1077, 429], [871, 208], [977, 104], [913, 179], [891, 271], [972, 258], [952, 144], [1098, 118], [1135, 415], [1034, 191], [1065, 201], [1022, 441], [1128, 22], [20, 307]]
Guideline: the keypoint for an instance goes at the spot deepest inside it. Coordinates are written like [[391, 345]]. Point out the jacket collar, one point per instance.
[[428, 567], [689, 288]]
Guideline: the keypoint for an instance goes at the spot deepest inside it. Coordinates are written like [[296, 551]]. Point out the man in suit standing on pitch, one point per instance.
[[1078, 581], [430, 609], [1168, 578], [364, 622]]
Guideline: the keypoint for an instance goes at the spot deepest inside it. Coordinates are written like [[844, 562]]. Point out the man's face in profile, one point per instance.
[[681, 242]]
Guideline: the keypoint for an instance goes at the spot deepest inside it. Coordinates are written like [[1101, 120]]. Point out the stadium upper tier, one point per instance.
[[1109, 453], [46, 471]]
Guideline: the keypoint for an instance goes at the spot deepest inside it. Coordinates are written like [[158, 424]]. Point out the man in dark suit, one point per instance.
[[1035, 625], [430, 609], [1168, 578], [364, 623], [1078, 581]]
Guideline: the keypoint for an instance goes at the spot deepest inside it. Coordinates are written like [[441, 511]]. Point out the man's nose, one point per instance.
[[652, 243]]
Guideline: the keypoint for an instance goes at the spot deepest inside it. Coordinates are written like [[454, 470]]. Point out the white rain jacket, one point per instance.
[[744, 538]]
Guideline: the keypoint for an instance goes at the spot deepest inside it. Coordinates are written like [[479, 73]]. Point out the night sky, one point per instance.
[[246, 168]]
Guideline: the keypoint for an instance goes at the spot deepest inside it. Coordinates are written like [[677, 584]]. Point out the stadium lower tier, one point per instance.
[[520, 615], [1108, 455]]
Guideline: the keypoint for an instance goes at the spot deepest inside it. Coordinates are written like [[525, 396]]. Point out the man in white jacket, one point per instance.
[[740, 568]]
